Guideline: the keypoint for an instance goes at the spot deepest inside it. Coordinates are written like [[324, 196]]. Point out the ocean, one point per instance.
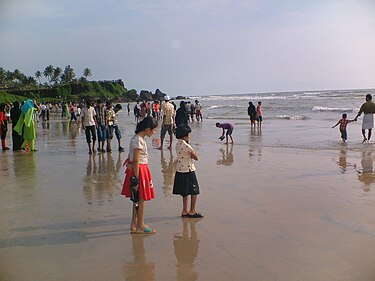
[[290, 119], [327, 105]]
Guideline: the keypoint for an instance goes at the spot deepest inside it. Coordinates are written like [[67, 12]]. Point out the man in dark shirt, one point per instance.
[[15, 114], [251, 111]]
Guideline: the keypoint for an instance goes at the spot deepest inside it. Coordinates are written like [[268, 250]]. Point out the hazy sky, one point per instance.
[[196, 47]]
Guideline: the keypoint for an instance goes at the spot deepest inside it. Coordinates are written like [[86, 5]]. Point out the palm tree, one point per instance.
[[31, 82], [9, 78], [48, 72], [38, 74], [87, 73], [2, 76], [56, 74], [68, 75]]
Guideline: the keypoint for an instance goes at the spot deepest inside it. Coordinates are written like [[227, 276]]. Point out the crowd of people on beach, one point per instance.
[[100, 123]]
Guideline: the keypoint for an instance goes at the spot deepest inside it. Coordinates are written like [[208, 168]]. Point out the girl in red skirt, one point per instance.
[[138, 175]]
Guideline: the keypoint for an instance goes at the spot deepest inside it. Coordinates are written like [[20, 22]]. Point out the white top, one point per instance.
[[88, 116], [115, 120], [137, 142], [185, 163]]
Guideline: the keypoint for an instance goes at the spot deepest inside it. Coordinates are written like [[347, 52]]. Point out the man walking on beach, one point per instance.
[[167, 124], [368, 108]]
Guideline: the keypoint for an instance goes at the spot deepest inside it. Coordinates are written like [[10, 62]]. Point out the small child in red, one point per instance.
[[343, 123]]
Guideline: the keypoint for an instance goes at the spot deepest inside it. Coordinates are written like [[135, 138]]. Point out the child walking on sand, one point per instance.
[[226, 126], [116, 128], [343, 123], [185, 181], [138, 179]]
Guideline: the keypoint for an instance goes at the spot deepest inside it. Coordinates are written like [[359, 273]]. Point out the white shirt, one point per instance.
[[185, 163], [88, 116], [137, 142]]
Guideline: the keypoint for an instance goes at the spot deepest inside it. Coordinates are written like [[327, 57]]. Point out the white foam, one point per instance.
[[338, 109]]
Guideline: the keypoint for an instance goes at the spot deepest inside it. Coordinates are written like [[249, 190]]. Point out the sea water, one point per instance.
[[291, 119]]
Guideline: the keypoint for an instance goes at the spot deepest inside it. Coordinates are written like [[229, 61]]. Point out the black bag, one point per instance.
[[134, 193]]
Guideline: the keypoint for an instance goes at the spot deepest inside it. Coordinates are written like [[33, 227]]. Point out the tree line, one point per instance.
[[54, 76]]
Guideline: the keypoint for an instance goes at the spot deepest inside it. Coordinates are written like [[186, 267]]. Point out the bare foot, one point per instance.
[[160, 148]]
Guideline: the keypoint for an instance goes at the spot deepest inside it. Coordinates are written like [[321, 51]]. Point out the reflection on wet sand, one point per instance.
[[255, 131], [226, 157], [139, 269], [168, 171], [45, 125], [342, 162], [186, 249], [74, 130], [24, 166], [366, 174], [255, 149], [102, 177]]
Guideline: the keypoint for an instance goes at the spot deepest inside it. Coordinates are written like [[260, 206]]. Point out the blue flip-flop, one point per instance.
[[147, 230]]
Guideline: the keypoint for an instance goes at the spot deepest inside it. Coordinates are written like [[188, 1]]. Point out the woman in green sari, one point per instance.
[[25, 125]]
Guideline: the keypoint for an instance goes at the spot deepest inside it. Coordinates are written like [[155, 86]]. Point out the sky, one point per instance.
[[196, 47]]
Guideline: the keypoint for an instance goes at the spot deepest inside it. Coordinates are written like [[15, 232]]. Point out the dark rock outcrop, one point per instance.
[[159, 95], [149, 96], [145, 95]]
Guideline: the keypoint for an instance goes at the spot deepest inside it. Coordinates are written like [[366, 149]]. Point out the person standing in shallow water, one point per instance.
[[167, 124], [181, 115], [368, 108], [3, 126], [259, 114], [89, 124], [343, 124], [15, 114], [251, 111], [25, 125]]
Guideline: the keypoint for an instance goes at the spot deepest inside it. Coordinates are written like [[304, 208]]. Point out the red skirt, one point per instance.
[[146, 187]]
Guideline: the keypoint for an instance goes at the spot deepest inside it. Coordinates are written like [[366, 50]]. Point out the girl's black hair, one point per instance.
[[147, 123], [182, 131], [2, 106]]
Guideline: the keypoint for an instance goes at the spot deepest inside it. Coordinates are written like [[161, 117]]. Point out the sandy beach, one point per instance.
[[284, 212]]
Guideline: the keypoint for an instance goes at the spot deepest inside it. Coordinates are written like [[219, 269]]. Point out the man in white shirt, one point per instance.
[[89, 124], [167, 123]]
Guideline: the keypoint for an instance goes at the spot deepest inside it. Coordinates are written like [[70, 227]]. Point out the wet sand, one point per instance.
[[271, 213]]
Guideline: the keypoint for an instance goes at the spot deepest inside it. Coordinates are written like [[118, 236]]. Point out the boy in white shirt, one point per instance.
[[89, 124]]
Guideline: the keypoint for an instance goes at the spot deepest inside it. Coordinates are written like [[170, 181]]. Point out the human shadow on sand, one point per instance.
[[67, 237], [72, 232]]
